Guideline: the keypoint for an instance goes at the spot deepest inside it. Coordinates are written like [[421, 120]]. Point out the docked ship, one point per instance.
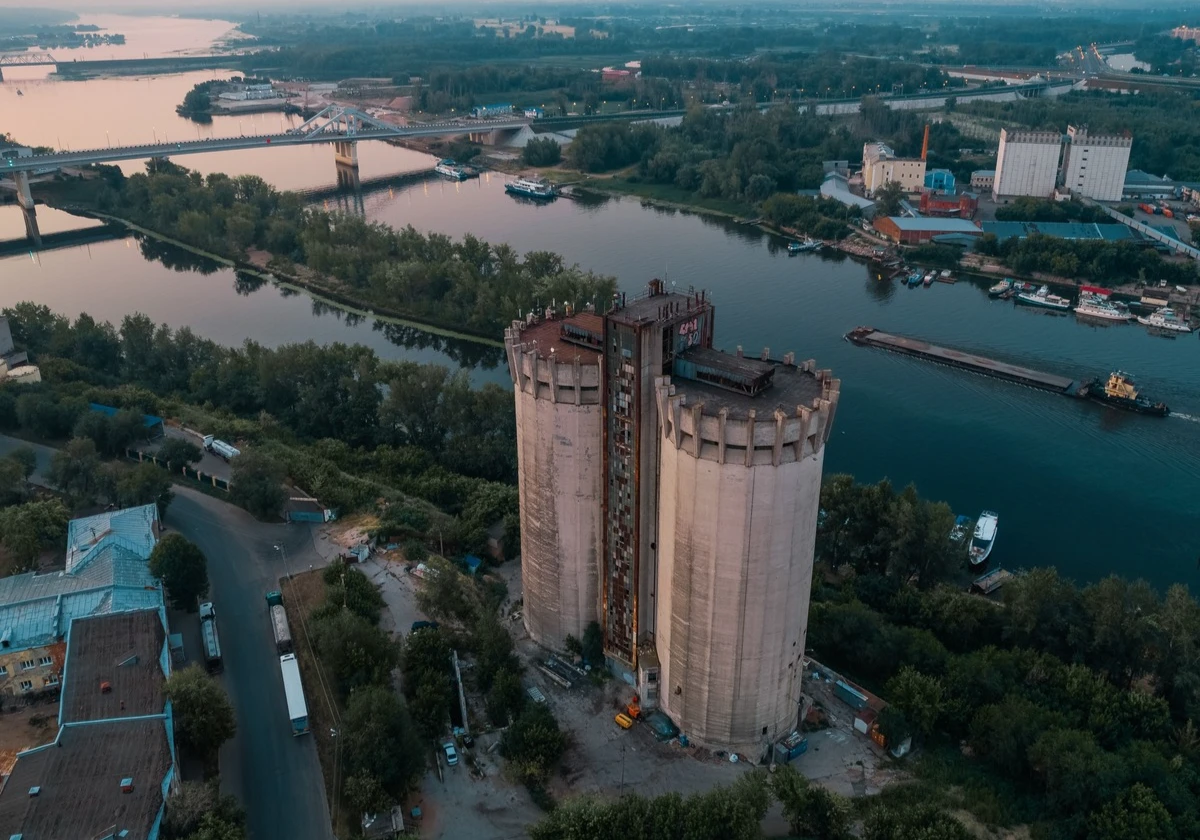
[[1093, 306], [1043, 298], [984, 537], [801, 247], [451, 169], [1000, 288], [531, 188], [1165, 318], [1121, 392]]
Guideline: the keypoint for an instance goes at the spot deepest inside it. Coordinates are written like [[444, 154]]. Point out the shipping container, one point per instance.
[[849, 695], [1168, 212], [1147, 209], [791, 747]]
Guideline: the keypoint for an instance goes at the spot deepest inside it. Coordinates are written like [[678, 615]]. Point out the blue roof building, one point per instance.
[[107, 571], [940, 180], [1060, 230]]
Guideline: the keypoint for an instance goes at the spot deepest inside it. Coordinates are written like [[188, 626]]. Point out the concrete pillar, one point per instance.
[[345, 152], [24, 196], [32, 232]]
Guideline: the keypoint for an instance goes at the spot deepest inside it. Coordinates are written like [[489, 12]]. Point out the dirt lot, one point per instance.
[[22, 727]]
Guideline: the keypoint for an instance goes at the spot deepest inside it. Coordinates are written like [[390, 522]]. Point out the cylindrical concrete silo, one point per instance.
[[555, 367], [740, 484]]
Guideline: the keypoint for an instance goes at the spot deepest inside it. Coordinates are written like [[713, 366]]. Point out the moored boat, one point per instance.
[[928, 281], [985, 537], [1045, 299], [914, 279], [1165, 318], [1092, 306], [531, 188], [1120, 391], [1000, 288], [451, 169]]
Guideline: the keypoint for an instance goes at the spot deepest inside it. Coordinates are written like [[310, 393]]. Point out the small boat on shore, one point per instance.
[[1165, 318], [1045, 299], [1000, 288], [1121, 392], [945, 276], [914, 279], [985, 537], [928, 281]]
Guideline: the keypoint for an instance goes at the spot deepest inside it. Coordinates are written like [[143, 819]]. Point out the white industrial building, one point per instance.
[[881, 165], [1094, 165], [1027, 164]]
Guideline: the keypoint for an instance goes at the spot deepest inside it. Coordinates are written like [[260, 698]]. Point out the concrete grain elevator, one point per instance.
[[670, 491]]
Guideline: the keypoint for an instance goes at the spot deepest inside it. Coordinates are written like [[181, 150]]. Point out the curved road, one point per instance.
[[275, 776]]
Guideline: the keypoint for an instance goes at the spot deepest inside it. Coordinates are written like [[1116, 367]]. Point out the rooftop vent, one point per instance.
[[127, 784], [105, 687], [35, 790]]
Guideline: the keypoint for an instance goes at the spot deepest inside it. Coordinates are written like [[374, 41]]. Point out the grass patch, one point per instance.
[[672, 195], [301, 595]]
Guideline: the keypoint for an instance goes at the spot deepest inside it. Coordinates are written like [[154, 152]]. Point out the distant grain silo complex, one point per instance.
[[670, 491]]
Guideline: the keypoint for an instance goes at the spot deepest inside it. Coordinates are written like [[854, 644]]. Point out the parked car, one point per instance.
[[451, 753]]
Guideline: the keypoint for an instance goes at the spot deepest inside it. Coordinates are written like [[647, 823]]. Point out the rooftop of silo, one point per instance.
[[548, 336], [790, 386], [650, 308]]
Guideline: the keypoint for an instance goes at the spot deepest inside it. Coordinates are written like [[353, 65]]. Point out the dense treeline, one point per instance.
[[1027, 209], [468, 285], [1109, 262], [1078, 704], [1165, 126], [345, 425]]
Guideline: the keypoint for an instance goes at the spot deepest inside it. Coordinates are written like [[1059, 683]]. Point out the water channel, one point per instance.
[[1090, 490]]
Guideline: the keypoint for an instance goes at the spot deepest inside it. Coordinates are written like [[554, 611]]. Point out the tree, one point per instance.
[[533, 744], [257, 485], [350, 588], [25, 530], [1135, 813], [214, 827], [592, 644], [446, 593], [380, 743], [74, 469], [183, 569], [177, 452], [358, 653], [506, 698], [811, 810], [542, 151], [920, 697], [493, 648], [888, 197], [913, 822], [143, 484], [26, 458], [191, 803], [203, 717]]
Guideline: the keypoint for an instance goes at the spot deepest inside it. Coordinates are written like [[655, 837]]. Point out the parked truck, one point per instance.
[[1148, 209], [219, 447], [210, 639], [279, 623], [294, 692]]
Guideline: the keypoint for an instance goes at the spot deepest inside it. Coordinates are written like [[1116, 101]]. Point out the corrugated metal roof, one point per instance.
[[133, 528], [1060, 230], [923, 223]]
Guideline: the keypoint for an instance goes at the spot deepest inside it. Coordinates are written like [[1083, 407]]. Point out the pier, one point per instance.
[[871, 337]]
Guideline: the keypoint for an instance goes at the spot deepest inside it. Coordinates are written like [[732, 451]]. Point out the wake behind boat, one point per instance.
[[984, 538]]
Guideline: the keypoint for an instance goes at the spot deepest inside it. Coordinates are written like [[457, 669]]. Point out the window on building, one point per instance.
[[3, 670], [27, 664], [27, 685], [51, 680], [45, 660]]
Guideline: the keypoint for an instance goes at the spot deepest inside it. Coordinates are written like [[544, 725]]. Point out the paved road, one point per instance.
[[276, 777]]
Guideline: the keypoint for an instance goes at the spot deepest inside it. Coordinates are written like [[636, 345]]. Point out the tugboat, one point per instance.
[[1043, 298], [808, 244], [1121, 392], [1000, 288], [531, 188], [984, 537]]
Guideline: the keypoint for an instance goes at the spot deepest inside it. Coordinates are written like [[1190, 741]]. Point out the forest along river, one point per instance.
[[1087, 489]]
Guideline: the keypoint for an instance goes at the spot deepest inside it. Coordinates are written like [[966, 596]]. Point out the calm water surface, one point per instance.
[[1091, 490]]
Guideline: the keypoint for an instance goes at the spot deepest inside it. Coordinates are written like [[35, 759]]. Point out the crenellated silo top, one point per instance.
[[557, 357], [787, 419]]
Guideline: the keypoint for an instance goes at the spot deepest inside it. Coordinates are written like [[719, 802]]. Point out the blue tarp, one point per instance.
[[473, 563], [148, 420]]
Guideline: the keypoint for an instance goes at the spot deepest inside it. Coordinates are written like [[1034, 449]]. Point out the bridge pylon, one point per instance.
[[345, 153], [24, 195]]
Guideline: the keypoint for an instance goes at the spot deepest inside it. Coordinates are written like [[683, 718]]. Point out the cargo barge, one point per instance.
[[871, 337]]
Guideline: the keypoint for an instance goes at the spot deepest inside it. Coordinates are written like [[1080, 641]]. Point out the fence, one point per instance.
[[185, 471]]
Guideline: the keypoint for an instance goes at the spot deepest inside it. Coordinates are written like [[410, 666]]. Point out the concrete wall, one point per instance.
[[559, 458], [1027, 163], [736, 548], [1095, 166]]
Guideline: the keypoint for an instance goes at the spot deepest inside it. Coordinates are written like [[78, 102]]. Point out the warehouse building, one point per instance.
[[982, 180], [880, 165], [1060, 230], [1094, 165], [1027, 164], [908, 230], [671, 492]]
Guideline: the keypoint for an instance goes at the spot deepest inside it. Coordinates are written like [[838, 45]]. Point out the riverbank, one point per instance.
[[320, 291]]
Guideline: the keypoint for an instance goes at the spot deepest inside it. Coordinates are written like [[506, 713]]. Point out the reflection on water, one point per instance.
[[174, 257]]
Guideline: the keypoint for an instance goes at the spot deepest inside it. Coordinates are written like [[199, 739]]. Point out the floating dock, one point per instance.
[[871, 337], [990, 582]]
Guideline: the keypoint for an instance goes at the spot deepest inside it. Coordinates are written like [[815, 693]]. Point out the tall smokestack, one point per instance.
[[925, 143]]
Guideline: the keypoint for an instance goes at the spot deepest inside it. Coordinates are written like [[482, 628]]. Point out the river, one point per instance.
[[1090, 490]]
